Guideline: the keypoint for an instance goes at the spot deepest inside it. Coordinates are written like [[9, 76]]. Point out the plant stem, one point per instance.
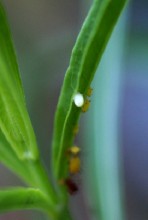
[[41, 180]]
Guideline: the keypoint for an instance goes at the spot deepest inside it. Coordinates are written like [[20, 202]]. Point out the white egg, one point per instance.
[[79, 100]]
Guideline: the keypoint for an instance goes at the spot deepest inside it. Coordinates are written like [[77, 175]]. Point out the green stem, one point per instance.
[[40, 180]]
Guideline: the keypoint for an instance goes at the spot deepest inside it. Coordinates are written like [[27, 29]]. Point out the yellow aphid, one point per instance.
[[74, 165], [86, 105], [89, 91], [76, 129], [74, 150]]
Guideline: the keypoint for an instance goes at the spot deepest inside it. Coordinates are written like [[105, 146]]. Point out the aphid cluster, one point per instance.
[[73, 153], [74, 165], [74, 160]]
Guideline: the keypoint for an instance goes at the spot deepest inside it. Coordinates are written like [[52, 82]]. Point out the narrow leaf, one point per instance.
[[10, 160], [20, 198], [14, 120], [85, 57]]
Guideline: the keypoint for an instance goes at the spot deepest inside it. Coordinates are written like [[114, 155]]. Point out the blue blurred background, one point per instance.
[[44, 33]]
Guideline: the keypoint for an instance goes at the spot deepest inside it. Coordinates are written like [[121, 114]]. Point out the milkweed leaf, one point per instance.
[[85, 58], [14, 119], [21, 198]]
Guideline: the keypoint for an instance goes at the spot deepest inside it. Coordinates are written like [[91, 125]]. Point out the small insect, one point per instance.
[[73, 159], [89, 91], [78, 100], [76, 129], [86, 105], [74, 150], [74, 165], [70, 185]]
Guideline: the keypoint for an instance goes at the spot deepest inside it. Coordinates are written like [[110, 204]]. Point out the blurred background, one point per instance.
[[44, 33]]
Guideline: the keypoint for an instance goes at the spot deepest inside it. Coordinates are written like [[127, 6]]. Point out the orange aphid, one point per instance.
[[89, 91], [86, 105], [74, 150], [76, 129], [74, 165], [73, 159]]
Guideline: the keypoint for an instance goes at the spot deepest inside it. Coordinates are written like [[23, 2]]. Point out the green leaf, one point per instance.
[[18, 146], [10, 159], [14, 120], [25, 198], [31, 172], [85, 57]]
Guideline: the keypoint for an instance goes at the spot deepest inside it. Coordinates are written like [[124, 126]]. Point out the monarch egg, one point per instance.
[[79, 100]]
